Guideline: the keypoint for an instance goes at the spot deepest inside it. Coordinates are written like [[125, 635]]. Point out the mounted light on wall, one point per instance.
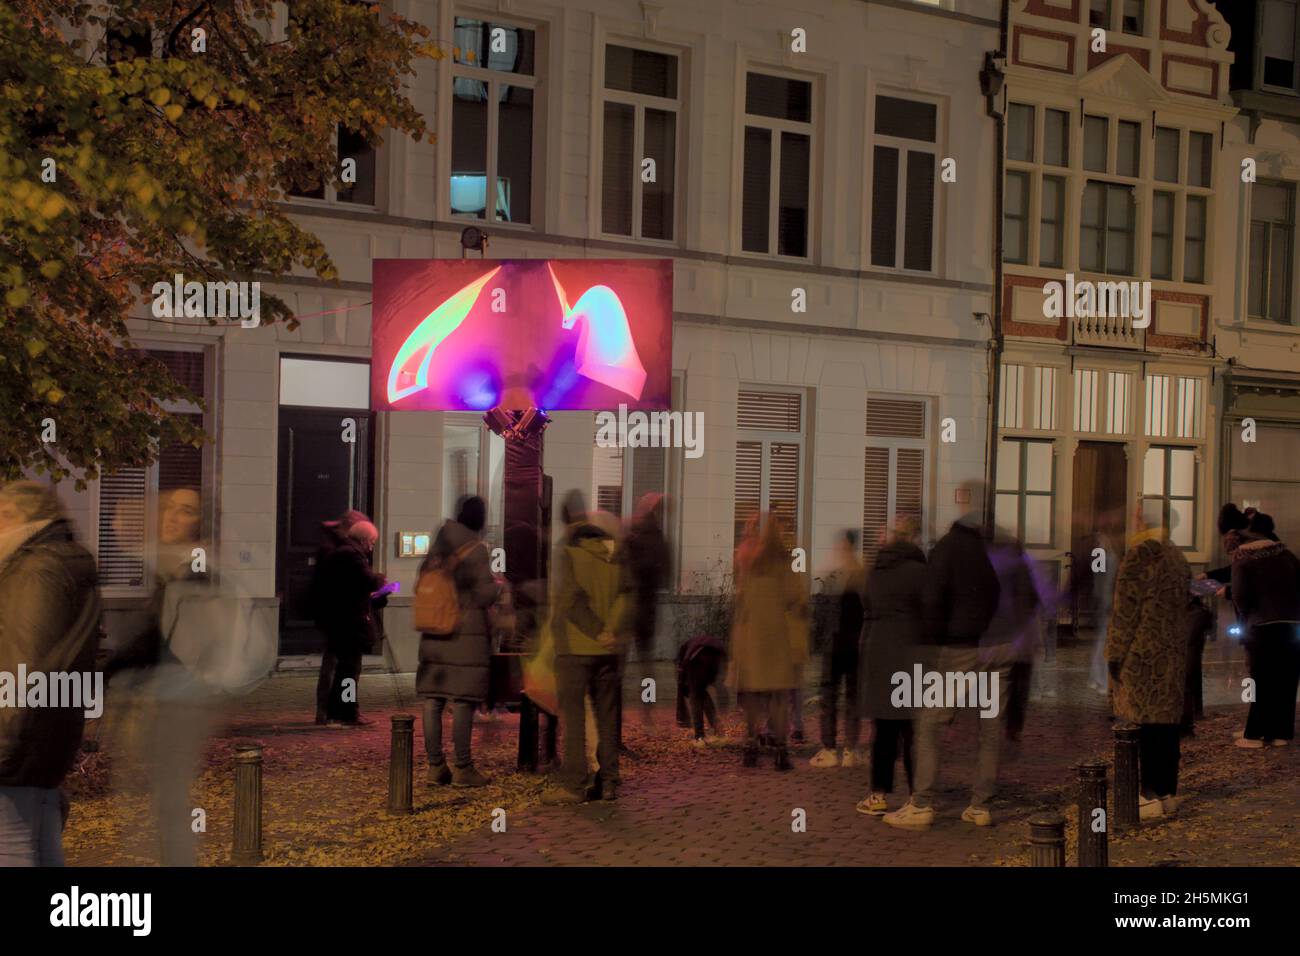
[[992, 76], [472, 237], [981, 317], [517, 424]]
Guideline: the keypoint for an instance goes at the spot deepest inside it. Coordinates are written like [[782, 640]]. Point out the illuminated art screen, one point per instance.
[[464, 334]]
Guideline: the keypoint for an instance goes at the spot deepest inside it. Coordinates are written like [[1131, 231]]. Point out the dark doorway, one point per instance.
[[320, 477], [1099, 507]]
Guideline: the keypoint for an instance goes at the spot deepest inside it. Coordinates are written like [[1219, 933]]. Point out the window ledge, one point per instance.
[[1276, 327]]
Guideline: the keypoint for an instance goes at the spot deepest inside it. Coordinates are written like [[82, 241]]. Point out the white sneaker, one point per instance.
[[1150, 808], [911, 817], [824, 758], [1246, 743], [873, 805], [850, 758], [978, 816]]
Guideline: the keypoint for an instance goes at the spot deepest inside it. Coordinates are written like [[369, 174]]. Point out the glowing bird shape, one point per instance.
[[428, 335], [606, 352]]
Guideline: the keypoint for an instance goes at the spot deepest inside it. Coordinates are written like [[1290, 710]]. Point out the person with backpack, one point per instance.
[[590, 621], [454, 591]]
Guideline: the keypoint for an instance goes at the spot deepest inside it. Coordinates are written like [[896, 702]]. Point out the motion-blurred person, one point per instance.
[[455, 668], [1110, 540], [840, 663], [1197, 622], [333, 535], [769, 643], [1146, 650], [699, 662], [348, 586], [49, 624], [589, 619], [645, 563], [959, 600], [1266, 591], [893, 633]]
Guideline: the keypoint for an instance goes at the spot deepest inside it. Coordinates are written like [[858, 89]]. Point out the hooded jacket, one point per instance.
[[458, 666], [342, 587], [590, 597], [49, 621], [1265, 582]]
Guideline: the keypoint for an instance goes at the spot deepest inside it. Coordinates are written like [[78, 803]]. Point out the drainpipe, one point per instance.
[[991, 81]]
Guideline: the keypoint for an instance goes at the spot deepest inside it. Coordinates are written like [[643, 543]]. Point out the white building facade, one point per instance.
[[836, 157]]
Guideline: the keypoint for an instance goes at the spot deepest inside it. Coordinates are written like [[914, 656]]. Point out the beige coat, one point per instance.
[[769, 638]]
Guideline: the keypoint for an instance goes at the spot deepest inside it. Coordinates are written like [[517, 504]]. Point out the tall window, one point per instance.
[[493, 87], [1108, 228], [902, 189], [776, 184], [1183, 159], [473, 463], [1277, 65], [1025, 489], [1169, 492], [1028, 397], [894, 467], [1038, 145], [642, 103], [769, 458], [132, 500], [1102, 401], [348, 145], [1175, 406], [1272, 245]]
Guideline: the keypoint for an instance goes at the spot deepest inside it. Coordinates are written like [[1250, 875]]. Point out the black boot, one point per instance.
[[750, 756], [783, 759]]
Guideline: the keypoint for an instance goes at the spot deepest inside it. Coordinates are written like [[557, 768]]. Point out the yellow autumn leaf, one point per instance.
[[51, 268], [173, 112], [54, 396], [34, 346], [15, 298], [160, 96]]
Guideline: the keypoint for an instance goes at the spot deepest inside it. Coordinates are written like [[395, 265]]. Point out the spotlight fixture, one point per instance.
[[472, 237]]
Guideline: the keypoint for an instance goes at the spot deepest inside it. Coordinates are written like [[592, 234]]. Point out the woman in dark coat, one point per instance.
[[347, 587], [1266, 591], [456, 667], [893, 630]]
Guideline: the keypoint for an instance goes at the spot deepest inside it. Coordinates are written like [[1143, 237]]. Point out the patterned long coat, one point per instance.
[[1146, 635]]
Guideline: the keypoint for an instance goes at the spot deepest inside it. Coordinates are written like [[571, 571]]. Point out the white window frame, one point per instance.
[[493, 78], [483, 478], [640, 103], [1115, 16], [1290, 277], [768, 438], [1294, 88], [904, 146], [894, 444], [776, 127], [330, 198]]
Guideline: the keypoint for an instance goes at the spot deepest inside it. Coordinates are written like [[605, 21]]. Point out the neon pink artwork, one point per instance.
[[606, 352], [427, 336], [554, 334]]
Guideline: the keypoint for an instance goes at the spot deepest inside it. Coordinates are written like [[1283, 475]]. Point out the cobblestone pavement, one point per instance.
[[325, 792], [705, 809]]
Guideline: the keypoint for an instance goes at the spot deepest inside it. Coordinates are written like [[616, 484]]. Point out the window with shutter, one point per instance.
[[130, 499], [123, 534], [894, 467], [607, 480], [769, 459]]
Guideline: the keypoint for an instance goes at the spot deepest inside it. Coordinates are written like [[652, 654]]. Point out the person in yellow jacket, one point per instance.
[[590, 622], [769, 640]]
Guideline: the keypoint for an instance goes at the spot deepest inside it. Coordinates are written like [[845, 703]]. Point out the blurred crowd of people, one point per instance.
[[977, 603]]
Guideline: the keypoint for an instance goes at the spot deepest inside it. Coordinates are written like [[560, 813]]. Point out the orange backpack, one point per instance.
[[437, 605]]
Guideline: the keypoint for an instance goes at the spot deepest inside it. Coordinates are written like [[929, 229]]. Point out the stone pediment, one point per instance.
[[1123, 78]]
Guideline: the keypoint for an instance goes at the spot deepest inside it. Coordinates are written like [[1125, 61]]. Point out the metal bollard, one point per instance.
[[1126, 779], [1047, 840], [400, 764], [1092, 797], [247, 849]]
